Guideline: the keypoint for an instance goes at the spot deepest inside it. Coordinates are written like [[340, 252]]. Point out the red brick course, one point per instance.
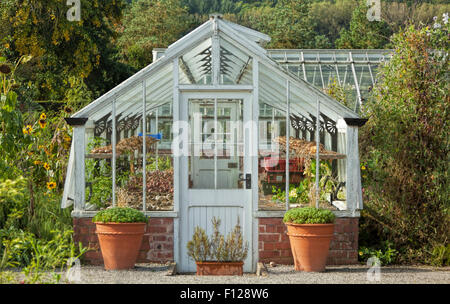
[[273, 243], [157, 243]]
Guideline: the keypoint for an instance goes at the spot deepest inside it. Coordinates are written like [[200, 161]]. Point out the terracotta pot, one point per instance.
[[120, 243], [220, 268], [310, 244]]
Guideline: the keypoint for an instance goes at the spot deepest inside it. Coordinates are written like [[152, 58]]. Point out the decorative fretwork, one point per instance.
[[302, 123], [101, 125], [205, 61], [330, 125], [225, 57]]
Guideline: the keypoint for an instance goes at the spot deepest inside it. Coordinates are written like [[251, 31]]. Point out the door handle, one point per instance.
[[247, 179]]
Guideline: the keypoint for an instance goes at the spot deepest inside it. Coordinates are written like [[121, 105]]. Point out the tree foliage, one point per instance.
[[59, 47], [405, 145], [362, 33], [288, 23], [150, 24]]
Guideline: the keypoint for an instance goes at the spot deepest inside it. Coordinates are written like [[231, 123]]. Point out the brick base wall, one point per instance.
[[157, 244], [273, 243]]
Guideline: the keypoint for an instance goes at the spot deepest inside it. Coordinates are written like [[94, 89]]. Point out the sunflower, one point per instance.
[[46, 166], [5, 69], [37, 162], [51, 185], [43, 116], [27, 130], [42, 123]]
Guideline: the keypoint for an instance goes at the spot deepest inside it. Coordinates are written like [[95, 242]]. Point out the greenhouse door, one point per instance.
[[216, 174]]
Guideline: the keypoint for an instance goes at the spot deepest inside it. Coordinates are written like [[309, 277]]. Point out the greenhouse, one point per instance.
[[219, 126]]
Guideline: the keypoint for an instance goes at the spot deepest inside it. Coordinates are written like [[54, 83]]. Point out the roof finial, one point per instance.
[[215, 16]]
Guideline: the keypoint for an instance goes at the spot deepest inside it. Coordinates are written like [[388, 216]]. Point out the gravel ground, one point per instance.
[[281, 274]]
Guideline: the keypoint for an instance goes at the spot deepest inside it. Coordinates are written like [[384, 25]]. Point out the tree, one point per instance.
[[60, 48], [405, 146], [288, 23], [364, 34], [330, 17], [150, 24]]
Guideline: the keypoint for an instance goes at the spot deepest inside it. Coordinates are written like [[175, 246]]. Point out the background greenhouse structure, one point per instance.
[[215, 107]]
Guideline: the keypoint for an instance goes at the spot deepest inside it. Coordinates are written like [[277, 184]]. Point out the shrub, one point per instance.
[[387, 255], [219, 248], [120, 215], [405, 146], [309, 215]]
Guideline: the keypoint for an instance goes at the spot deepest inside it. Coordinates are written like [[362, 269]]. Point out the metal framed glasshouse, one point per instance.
[[202, 132]]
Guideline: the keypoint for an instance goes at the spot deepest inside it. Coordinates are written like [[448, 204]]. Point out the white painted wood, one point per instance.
[[280, 214], [355, 78], [255, 145], [198, 206], [251, 34], [79, 167], [317, 153], [70, 179], [288, 119], [353, 183], [114, 158], [176, 165], [157, 214], [215, 88], [215, 53], [144, 147]]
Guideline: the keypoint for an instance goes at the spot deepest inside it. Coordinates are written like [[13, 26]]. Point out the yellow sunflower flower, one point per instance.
[[363, 167], [37, 162], [51, 185], [43, 116], [27, 130], [42, 123], [46, 166]]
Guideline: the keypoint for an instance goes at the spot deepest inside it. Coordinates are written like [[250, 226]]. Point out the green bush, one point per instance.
[[120, 215], [309, 215], [387, 255], [405, 147]]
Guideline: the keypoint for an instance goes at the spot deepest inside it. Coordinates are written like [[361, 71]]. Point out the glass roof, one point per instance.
[[355, 70]]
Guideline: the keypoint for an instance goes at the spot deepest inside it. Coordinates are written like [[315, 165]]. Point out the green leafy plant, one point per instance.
[[440, 255], [218, 247], [302, 193], [309, 215], [120, 215], [387, 255], [404, 146]]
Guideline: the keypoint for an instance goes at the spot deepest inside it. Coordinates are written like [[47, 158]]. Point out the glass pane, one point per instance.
[[235, 65], [159, 162], [216, 143], [195, 65]]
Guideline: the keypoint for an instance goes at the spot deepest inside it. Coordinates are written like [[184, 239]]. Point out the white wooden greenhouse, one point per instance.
[[201, 132]]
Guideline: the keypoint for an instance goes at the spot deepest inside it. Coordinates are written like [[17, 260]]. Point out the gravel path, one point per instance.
[[281, 274]]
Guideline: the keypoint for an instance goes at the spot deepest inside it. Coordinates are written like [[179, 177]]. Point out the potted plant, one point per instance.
[[120, 231], [218, 255], [310, 231]]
